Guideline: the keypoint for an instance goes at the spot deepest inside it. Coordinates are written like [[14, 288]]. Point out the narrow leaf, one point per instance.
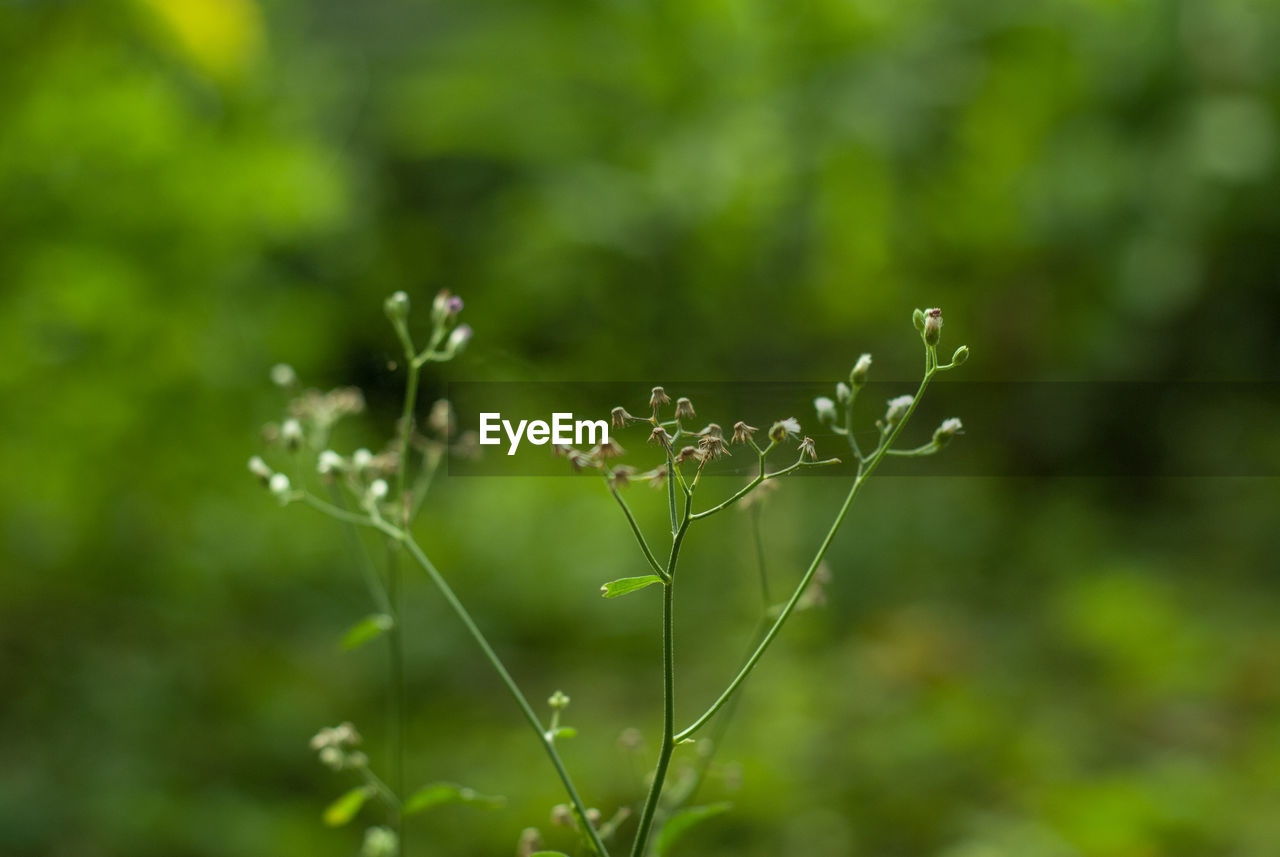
[[439, 794], [566, 732], [366, 629], [628, 584], [345, 808], [680, 823]]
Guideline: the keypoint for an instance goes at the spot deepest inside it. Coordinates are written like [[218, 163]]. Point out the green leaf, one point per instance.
[[366, 629], [566, 732], [345, 808], [680, 823], [439, 794], [628, 584]]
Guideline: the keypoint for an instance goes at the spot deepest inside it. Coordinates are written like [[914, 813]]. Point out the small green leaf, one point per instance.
[[345, 808], [680, 823], [439, 794], [628, 584], [566, 732], [366, 629]]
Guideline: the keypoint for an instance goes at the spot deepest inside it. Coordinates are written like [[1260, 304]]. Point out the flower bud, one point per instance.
[[960, 356], [445, 307], [458, 339], [328, 462], [396, 307], [858, 377], [378, 490], [559, 700], [259, 468], [950, 428], [279, 485], [282, 375], [843, 393], [361, 459], [332, 757], [291, 433], [932, 326], [917, 318], [897, 409], [781, 430], [380, 842], [825, 408]]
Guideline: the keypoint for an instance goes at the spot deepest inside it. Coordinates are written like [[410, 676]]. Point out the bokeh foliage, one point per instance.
[[641, 191]]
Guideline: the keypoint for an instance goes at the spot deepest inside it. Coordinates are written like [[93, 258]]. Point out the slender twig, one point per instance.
[[635, 528], [864, 472]]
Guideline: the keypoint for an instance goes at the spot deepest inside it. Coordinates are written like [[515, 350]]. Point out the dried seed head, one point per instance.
[[742, 432], [441, 419], [858, 376], [580, 460], [815, 594], [659, 435], [562, 815], [530, 842], [783, 429], [685, 454], [932, 325], [619, 416], [897, 409], [711, 430], [950, 427], [807, 449], [612, 449], [259, 468], [712, 446], [656, 477], [282, 375], [622, 475], [684, 408], [594, 817], [825, 408], [658, 398]]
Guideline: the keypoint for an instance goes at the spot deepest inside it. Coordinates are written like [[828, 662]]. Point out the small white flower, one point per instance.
[[378, 489], [282, 375], [858, 377], [328, 462], [897, 408], [826, 409], [291, 432], [361, 459], [259, 468], [380, 842], [279, 484], [458, 339], [950, 427]]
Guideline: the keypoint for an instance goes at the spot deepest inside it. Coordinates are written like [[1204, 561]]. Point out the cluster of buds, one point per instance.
[[336, 747], [447, 340], [380, 842], [277, 483]]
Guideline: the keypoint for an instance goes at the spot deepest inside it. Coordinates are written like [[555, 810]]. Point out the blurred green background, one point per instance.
[[194, 190]]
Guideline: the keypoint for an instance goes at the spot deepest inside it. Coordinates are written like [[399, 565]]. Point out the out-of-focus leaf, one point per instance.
[[345, 808], [548, 854], [566, 732], [682, 821], [623, 585], [366, 629], [439, 794]]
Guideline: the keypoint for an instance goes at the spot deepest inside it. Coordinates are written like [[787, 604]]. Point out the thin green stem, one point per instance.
[[668, 688], [864, 473], [635, 528], [490, 655], [764, 477]]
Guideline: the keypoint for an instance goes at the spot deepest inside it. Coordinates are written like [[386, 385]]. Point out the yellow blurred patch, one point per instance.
[[220, 37]]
